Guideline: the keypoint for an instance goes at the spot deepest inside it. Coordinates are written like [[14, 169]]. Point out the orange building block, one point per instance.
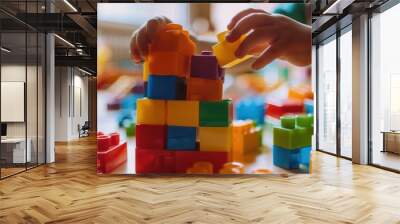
[[232, 168], [204, 89], [239, 129], [300, 93], [168, 63], [173, 38]]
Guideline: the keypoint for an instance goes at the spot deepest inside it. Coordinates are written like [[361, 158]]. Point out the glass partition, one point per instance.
[[327, 96], [22, 77], [346, 93], [385, 89]]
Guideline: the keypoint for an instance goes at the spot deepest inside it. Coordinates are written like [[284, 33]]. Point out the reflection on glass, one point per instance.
[[327, 97], [14, 153], [346, 94], [385, 86]]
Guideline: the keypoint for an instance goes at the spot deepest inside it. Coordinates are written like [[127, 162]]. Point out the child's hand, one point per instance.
[[144, 35], [272, 37]]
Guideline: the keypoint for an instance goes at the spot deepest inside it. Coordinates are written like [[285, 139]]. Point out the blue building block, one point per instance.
[[126, 117], [252, 108], [129, 101], [292, 158], [309, 106], [165, 87], [181, 138]]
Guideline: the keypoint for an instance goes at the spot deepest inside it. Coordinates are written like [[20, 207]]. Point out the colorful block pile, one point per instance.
[[111, 153], [292, 142], [183, 121]]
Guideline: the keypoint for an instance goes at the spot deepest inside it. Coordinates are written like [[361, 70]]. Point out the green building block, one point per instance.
[[305, 120], [131, 130], [215, 113], [288, 121], [291, 138]]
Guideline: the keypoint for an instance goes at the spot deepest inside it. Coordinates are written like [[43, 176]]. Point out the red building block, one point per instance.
[[150, 136], [154, 161], [277, 110], [110, 152], [186, 159]]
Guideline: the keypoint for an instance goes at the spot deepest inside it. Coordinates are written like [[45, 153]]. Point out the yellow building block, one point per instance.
[[216, 139], [150, 111], [183, 113], [225, 51], [145, 70]]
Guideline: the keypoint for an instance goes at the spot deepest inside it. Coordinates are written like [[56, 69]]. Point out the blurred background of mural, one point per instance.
[[120, 80]]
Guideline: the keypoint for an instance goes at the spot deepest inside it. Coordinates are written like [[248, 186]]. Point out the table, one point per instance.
[[13, 150], [391, 141]]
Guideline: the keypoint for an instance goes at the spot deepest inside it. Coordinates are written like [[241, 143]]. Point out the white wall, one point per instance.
[[71, 94]]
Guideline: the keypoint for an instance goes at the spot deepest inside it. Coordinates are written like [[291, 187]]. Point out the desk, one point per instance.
[[13, 150], [391, 141]]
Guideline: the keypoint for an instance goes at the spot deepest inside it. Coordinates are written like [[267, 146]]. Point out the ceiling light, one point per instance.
[[70, 5], [329, 9], [5, 50], [84, 71], [65, 41]]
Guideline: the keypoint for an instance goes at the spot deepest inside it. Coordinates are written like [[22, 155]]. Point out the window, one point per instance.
[[346, 93], [327, 96], [385, 89]]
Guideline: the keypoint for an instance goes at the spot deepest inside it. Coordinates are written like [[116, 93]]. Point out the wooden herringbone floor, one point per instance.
[[69, 191]]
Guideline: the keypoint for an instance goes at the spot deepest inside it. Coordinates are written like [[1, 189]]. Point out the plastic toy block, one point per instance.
[[110, 153], [172, 38], [288, 121], [291, 138], [145, 89], [169, 63], [130, 130], [204, 66], [186, 159], [277, 110], [181, 138], [130, 101], [146, 70], [183, 113], [225, 51], [300, 93], [252, 141], [309, 106], [304, 120], [150, 136], [204, 89], [166, 87], [155, 161], [291, 159], [201, 167], [251, 108], [232, 168], [215, 139], [262, 171], [239, 129], [216, 113], [125, 117], [114, 105], [151, 111]]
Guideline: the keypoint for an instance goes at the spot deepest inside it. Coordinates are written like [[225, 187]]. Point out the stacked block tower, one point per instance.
[[183, 124], [292, 142]]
